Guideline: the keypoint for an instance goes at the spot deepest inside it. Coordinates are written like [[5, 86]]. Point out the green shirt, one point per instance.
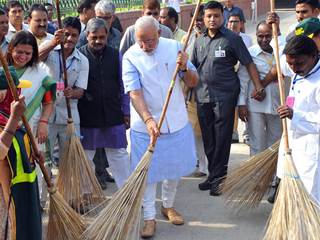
[[178, 34]]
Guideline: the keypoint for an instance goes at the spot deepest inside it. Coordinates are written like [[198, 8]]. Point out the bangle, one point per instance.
[[8, 131], [43, 121], [148, 119]]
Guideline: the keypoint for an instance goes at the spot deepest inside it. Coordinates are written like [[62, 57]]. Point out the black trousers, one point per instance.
[[100, 161], [216, 123]]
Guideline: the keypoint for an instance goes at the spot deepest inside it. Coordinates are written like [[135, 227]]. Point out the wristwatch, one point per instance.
[[182, 72]]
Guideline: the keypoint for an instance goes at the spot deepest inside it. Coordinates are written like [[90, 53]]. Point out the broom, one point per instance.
[[64, 222], [119, 220], [76, 179], [294, 215], [245, 186]]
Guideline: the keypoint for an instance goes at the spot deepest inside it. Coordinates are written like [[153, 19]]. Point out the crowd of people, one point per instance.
[[118, 80]]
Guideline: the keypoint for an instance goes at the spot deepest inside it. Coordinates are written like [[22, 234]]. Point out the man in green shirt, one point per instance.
[[170, 18]]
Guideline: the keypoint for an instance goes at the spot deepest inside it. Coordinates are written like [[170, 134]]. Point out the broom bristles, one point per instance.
[[120, 219], [245, 186], [64, 223], [76, 179], [294, 215]]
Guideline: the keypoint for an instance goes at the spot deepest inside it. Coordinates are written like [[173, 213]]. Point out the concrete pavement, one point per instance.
[[206, 217]]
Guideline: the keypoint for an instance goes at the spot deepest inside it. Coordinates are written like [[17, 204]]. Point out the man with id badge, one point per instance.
[[77, 69], [303, 108], [215, 55]]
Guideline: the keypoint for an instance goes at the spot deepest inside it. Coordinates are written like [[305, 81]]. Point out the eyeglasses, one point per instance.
[[163, 17], [106, 18], [148, 41]]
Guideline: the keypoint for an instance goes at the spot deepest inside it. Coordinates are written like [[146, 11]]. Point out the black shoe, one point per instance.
[[214, 190], [272, 198], [108, 177], [102, 182], [206, 185]]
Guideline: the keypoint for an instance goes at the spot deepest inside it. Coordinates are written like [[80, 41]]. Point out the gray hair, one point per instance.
[[145, 22], [94, 24], [105, 6]]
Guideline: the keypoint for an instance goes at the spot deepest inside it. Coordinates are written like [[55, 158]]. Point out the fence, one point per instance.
[[70, 6]]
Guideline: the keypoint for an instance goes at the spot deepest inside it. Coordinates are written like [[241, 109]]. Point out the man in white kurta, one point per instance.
[[148, 67], [264, 126], [303, 108]]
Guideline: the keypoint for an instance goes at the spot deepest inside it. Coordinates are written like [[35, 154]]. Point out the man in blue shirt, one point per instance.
[[229, 9]]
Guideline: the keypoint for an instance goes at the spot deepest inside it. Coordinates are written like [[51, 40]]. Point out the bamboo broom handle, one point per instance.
[[280, 79], [64, 66], [15, 95], [165, 107]]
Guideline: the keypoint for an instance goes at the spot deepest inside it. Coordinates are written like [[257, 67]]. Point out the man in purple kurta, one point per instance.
[[104, 109]]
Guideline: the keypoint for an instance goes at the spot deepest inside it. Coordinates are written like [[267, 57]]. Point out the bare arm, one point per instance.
[[259, 93], [17, 109], [73, 92], [190, 77], [42, 132], [141, 107], [47, 47], [270, 77], [254, 75]]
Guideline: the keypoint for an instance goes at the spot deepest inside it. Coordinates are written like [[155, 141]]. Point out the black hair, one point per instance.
[[73, 22], [172, 13], [312, 3], [36, 7], [301, 45], [263, 22], [151, 4], [213, 5], [201, 12], [85, 4], [47, 4], [24, 37], [234, 15], [13, 3]]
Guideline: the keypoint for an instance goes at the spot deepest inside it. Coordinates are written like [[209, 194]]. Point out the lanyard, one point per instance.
[[60, 65], [296, 79]]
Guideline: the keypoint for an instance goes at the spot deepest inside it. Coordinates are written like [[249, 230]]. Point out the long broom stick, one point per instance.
[[294, 215], [245, 186], [76, 179], [64, 222], [119, 220]]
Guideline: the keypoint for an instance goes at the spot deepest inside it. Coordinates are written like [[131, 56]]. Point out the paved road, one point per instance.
[[206, 217]]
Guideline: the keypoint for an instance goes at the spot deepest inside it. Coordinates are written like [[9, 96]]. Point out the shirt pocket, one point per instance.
[[73, 74]]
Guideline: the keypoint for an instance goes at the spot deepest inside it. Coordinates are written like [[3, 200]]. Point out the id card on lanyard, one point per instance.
[[60, 84]]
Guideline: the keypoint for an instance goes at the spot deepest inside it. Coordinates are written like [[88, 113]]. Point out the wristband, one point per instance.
[[8, 131], [43, 121]]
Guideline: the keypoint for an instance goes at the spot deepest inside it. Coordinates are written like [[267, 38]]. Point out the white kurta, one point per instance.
[[304, 131]]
